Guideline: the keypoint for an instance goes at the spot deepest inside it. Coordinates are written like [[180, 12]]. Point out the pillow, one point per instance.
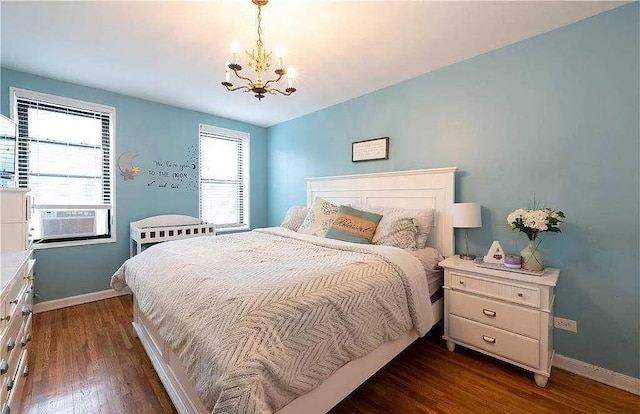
[[422, 218], [319, 218], [397, 232], [353, 225], [295, 217], [429, 257]]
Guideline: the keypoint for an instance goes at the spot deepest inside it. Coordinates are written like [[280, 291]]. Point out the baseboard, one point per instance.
[[605, 376], [78, 300]]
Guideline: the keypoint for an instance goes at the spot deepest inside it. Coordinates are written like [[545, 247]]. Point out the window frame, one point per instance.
[[19, 93], [246, 142]]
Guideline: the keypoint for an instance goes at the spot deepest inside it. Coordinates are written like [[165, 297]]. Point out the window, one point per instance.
[[224, 177], [8, 132], [65, 156]]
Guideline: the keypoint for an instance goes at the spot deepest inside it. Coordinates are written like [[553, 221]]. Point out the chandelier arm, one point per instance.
[[241, 77], [276, 80], [237, 88], [273, 90]]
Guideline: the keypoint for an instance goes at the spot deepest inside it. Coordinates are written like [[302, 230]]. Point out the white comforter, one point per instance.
[[258, 319]]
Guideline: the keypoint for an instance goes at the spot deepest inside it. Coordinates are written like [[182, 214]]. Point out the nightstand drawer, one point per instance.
[[501, 315], [515, 347], [520, 294]]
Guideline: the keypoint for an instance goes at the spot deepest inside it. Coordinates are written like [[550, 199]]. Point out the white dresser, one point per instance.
[[16, 296], [503, 314], [15, 213]]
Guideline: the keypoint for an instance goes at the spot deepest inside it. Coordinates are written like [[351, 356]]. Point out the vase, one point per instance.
[[532, 256]]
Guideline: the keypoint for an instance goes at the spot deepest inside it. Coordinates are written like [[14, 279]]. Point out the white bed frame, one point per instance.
[[432, 188]]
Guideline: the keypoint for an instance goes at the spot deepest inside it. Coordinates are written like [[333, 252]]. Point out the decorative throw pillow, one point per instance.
[[398, 232], [319, 218], [422, 218], [295, 217], [353, 225]]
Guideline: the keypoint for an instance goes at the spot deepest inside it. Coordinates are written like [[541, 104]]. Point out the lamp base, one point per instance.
[[468, 256]]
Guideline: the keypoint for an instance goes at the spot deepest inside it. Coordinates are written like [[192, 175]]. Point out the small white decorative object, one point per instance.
[[496, 254]]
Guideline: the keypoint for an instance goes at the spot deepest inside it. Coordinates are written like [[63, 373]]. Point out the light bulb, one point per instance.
[[235, 50], [291, 73], [280, 52]]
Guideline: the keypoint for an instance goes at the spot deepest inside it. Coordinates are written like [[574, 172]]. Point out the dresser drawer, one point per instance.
[[13, 296], [15, 395], [14, 237], [14, 349], [512, 318], [28, 295], [25, 336], [15, 208], [526, 295], [514, 347]]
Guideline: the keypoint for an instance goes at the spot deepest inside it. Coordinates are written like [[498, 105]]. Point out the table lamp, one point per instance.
[[466, 216]]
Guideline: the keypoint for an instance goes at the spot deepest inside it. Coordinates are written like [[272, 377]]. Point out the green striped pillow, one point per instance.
[[355, 226]]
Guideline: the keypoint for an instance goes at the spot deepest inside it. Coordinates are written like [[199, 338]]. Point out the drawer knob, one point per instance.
[[520, 294], [4, 367], [13, 302], [26, 310], [10, 383], [489, 312], [462, 282], [11, 344], [488, 339]]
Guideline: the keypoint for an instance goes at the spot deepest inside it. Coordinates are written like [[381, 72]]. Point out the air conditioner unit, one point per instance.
[[59, 224]]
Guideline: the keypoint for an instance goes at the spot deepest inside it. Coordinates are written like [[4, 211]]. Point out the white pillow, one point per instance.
[[295, 217], [319, 218], [422, 218], [430, 258], [398, 232]]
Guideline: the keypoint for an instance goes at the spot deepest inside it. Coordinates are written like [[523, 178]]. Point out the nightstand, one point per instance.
[[503, 314]]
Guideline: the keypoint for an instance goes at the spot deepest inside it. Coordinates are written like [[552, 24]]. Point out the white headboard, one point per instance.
[[432, 188]]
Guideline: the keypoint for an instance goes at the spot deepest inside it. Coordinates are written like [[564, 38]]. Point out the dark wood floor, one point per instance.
[[85, 360]]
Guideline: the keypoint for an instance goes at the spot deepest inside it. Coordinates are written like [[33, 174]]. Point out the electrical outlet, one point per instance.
[[565, 324]]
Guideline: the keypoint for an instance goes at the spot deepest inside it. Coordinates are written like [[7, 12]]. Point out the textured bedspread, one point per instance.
[[260, 318]]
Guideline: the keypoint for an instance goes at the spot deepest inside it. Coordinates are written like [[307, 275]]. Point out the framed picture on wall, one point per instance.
[[370, 149]]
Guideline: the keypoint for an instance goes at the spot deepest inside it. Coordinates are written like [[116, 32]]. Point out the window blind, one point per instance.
[[64, 157], [7, 151], [224, 161]]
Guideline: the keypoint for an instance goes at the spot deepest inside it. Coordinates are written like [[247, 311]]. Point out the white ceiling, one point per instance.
[[174, 52]]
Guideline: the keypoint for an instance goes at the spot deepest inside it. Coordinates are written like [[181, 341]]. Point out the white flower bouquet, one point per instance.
[[534, 221]]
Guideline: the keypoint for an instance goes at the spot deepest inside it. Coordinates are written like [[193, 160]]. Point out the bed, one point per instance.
[[433, 188]]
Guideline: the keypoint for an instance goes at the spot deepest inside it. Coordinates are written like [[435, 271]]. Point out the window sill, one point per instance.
[[53, 245], [230, 230]]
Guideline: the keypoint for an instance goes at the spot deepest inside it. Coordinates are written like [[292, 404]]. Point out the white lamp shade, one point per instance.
[[466, 215]]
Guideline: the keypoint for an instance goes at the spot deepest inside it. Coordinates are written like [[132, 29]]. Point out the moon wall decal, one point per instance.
[[125, 163]]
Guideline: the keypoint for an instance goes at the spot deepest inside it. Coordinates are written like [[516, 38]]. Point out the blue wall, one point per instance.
[[156, 132], [555, 116]]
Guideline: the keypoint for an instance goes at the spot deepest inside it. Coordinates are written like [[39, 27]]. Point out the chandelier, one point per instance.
[[261, 62]]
